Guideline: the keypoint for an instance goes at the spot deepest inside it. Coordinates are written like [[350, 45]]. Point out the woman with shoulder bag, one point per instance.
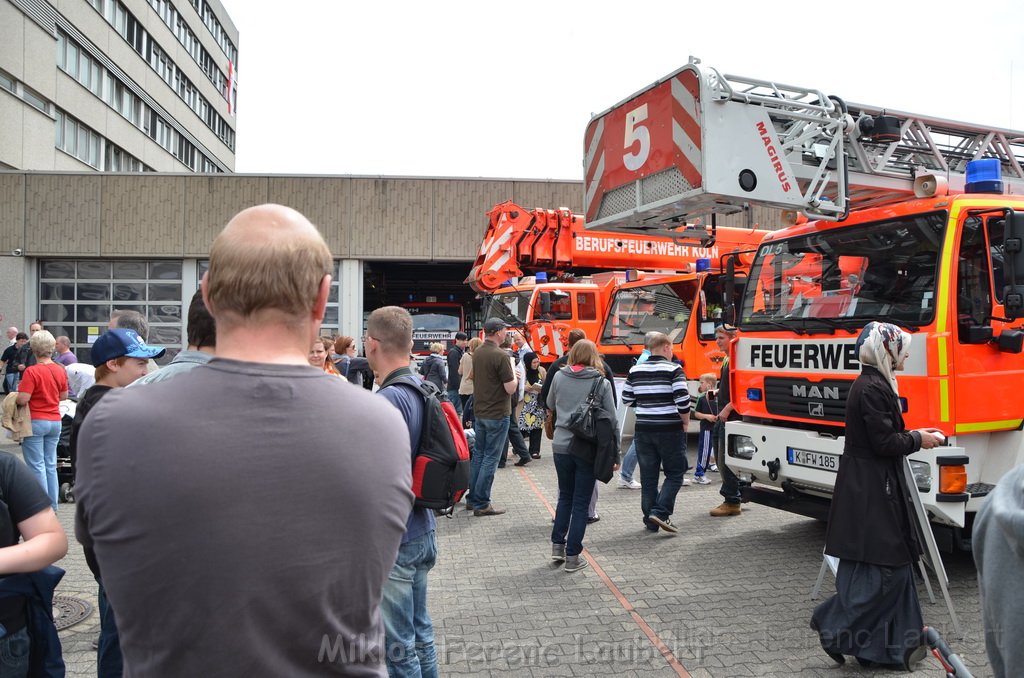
[[582, 376]]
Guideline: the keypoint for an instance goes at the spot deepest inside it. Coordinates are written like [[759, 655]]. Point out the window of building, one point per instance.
[[76, 298], [35, 99], [165, 67], [7, 82], [75, 138], [119, 97]]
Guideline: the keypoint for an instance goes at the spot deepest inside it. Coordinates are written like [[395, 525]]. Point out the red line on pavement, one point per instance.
[[673, 662]]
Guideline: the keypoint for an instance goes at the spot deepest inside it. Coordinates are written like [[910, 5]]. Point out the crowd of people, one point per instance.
[[262, 415]]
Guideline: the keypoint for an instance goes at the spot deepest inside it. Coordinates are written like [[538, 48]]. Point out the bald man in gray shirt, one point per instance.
[[245, 515]]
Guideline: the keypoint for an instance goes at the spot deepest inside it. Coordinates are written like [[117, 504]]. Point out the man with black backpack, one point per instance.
[[409, 632]]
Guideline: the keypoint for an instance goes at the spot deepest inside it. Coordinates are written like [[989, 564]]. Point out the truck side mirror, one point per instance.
[[729, 291], [1013, 293], [976, 334], [1011, 341]]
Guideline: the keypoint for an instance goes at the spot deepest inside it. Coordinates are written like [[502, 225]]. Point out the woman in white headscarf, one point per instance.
[[875, 615]]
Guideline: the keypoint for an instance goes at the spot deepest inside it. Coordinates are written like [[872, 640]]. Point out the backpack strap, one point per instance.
[[425, 390]]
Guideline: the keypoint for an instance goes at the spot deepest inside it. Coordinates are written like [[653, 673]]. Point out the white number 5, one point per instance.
[[636, 132]]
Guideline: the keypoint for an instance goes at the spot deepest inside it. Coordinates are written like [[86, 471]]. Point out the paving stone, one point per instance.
[[728, 596]]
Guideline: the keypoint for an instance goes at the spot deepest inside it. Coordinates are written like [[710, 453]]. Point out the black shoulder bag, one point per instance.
[[583, 420]]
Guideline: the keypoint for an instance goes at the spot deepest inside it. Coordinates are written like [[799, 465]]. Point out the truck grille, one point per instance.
[[819, 400], [620, 363]]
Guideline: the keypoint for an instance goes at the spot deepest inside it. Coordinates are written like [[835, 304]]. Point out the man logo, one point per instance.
[[816, 409]]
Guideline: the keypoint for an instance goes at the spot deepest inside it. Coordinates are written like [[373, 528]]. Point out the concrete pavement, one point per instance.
[[725, 597]]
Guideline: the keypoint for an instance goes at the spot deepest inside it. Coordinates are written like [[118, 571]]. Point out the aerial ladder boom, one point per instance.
[[723, 142], [519, 239]]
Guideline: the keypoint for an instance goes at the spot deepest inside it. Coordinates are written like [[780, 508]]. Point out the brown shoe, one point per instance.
[[488, 510], [726, 509]]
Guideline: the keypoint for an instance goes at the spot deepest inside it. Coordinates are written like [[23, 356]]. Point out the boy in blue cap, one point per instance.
[[120, 357]]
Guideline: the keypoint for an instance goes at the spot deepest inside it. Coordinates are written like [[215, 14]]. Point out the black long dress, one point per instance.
[[875, 614]]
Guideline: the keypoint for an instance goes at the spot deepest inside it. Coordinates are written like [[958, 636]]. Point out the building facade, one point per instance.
[[117, 85], [74, 246]]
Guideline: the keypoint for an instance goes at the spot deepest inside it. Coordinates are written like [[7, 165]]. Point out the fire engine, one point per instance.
[[434, 322], [613, 308], [915, 221]]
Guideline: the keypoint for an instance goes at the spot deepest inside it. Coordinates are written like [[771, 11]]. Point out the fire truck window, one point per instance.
[[652, 308], [974, 299], [586, 303], [996, 234], [809, 278], [561, 306]]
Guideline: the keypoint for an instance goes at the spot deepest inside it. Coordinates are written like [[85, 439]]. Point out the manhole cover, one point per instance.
[[68, 611]]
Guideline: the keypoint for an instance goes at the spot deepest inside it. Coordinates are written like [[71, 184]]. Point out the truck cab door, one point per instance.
[[986, 378]]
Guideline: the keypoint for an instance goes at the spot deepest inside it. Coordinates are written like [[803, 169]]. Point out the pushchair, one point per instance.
[[65, 459]]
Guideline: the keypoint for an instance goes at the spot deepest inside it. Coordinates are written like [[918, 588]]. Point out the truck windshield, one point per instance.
[[635, 311], [512, 307], [847, 276], [435, 321]]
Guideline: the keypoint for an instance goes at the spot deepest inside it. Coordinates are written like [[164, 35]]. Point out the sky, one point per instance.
[[487, 89]]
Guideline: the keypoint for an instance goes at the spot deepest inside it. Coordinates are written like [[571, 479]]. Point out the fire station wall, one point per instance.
[[171, 215], [62, 214], [12, 216], [211, 201], [322, 200], [124, 199]]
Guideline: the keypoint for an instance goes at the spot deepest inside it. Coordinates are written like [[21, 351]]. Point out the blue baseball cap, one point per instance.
[[120, 343]]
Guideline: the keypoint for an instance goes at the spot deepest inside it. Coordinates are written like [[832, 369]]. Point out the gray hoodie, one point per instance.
[[999, 554], [568, 390]]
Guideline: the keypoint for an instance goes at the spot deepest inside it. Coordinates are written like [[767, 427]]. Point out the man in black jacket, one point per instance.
[[454, 356]]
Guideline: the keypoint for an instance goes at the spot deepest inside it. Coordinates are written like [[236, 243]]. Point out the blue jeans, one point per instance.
[[455, 399], [14, 654], [657, 450], [575, 487], [11, 381], [629, 463], [407, 626], [40, 452], [109, 662], [488, 446]]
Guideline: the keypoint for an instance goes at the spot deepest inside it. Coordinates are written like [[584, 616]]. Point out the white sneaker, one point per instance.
[[628, 484], [713, 468], [686, 481], [701, 480]]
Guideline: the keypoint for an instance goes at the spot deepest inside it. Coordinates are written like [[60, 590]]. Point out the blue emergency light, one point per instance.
[[984, 176], [754, 395], [507, 283], [703, 265], [541, 277]]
